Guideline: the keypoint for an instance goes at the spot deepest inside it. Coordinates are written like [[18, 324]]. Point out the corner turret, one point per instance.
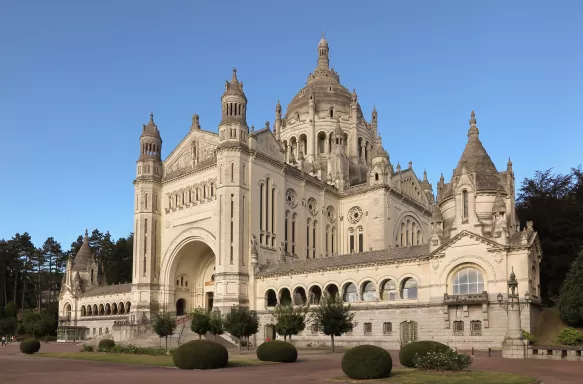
[[233, 128]]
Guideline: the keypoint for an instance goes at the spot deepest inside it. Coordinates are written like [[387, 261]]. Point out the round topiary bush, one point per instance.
[[201, 354], [29, 346], [278, 351], [421, 348], [105, 345], [367, 362]]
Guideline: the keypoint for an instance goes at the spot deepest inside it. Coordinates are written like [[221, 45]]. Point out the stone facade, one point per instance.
[[312, 203]]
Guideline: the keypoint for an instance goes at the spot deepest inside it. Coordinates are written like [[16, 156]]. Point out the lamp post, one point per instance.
[[513, 345]]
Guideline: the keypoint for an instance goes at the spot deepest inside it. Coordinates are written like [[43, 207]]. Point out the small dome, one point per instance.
[[84, 257], [323, 41]]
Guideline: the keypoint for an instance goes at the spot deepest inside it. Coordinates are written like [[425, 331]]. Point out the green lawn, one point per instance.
[[411, 376], [124, 358]]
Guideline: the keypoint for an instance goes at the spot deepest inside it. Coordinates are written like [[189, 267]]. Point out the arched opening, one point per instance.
[[121, 309], [101, 310], [95, 310], [388, 290], [180, 307], [192, 270], [369, 292], [83, 311], [465, 209], [321, 143], [128, 306], [315, 294], [107, 309], [300, 296], [114, 309], [332, 290], [350, 294], [270, 332], [467, 281], [270, 298], [285, 297], [409, 289], [376, 176], [68, 311], [89, 310]]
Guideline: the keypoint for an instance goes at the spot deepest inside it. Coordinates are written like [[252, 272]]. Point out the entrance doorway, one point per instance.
[[270, 332], [180, 307], [209, 301]]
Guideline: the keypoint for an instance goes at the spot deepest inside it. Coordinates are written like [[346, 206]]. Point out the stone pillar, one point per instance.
[[513, 346]]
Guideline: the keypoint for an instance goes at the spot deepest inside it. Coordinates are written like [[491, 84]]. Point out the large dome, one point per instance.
[[324, 85]]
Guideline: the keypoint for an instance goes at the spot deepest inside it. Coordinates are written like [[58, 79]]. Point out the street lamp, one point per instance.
[[513, 296]]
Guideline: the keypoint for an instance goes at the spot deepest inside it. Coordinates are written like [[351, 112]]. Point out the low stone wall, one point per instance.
[[553, 352]]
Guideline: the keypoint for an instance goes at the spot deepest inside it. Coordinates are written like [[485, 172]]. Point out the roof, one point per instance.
[[84, 257], [108, 290], [350, 260]]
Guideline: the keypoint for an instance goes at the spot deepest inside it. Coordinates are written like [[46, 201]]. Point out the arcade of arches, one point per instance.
[[191, 278]]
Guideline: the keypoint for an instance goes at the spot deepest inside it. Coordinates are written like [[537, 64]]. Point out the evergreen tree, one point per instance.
[[200, 322], [164, 325], [570, 301], [333, 316]]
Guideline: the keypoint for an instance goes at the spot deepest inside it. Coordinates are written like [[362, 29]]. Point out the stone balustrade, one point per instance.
[[554, 352]]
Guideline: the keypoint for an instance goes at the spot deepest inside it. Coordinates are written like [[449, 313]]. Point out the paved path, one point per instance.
[[316, 368]]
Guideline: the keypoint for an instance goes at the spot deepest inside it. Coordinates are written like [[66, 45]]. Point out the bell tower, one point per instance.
[[147, 210], [232, 260]]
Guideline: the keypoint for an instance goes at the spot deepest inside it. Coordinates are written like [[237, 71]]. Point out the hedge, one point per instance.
[[105, 345], [29, 346], [201, 354], [367, 362], [278, 351], [408, 351]]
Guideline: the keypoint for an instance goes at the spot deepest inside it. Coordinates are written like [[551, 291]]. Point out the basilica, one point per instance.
[[310, 205]]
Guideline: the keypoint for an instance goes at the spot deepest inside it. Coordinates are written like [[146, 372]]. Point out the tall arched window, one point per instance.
[[261, 190], [267, 186], [333, 239], [350, 293], [369, 292], [273, 216], [388, 290], [286, 229], [308, 238], [468, 281], [409, 289], [293, 234], [360, 240], [326, 239], [350, 240], [314, 239], [465, 204]]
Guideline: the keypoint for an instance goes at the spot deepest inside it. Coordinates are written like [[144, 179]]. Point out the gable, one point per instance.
[[409, 185], [266, 143], [468, 239], [196, 148]]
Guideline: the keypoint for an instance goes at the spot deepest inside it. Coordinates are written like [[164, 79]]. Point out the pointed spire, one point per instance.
[[398, 166], [354, 97], [424, 175], [86, 234], [234, 77], [473, 128], [509, 165], [441, 179], [151, 118], [323, 61]]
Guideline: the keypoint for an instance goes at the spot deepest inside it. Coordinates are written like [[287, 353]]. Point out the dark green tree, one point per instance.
[[200, 322], [289, 321], [554, 202], [164, 325], [333, 316], [241, 322], [53, 259], [32, 323], [216, 323], [570, 302]]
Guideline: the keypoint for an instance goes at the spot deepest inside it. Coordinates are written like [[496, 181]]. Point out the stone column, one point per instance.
[[513, 346]]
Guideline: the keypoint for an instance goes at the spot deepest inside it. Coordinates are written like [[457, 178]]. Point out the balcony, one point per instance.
[[479, 298]]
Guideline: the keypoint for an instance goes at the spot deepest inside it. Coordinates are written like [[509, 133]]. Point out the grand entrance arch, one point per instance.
[[190, 277]]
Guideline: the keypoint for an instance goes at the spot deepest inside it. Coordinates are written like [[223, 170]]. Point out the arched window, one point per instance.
[[261, 191], [315, 294], [465, 204], [360, 240], [267, 185], [468, 281], [332, 247], [146, 201], [285, 297], [369, 292], [327, 237], [389, 290], [314, 239], [293, 234], [332, 290], [300, 296], [83, 311], [376, 177], [350, 240], [270, 298], [350, 293], [309, 221], [409, 289], [89, 310], [285, 229]]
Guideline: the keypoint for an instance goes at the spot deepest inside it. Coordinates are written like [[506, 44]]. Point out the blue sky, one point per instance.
[[78, 80]]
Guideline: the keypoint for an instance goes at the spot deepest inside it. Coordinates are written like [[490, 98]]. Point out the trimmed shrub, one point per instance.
[[105, 345], [279, 351], [570, 336], [529, 337], [367, 362], [29, 346], [201, 354], [442, 361], [87, 348], [421, 348]]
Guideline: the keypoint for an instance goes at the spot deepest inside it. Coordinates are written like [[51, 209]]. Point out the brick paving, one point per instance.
[[316, 367]]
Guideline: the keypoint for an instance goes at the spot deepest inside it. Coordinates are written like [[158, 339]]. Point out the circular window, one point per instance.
[[331, 213], [354, 215], [291, 198], [312, 206]]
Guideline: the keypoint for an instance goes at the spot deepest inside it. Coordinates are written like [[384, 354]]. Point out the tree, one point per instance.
[[32, 323], [289, 320], [333, 316], [570, 301], [48, 321], [164, 325], [8, 326], [52, 254], [241, 322], [216, 323], [554, 202], [200, 322]]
